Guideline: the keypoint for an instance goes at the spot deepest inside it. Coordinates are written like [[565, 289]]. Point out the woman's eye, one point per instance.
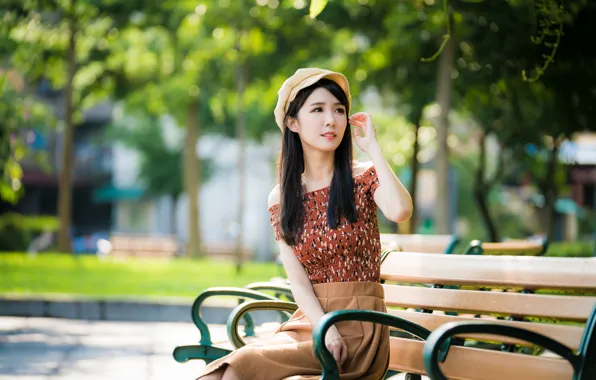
[[318, 109], [341, 110]]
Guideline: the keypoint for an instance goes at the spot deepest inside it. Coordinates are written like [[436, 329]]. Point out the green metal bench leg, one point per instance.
[[183, 354], [390, 373], [205, 349], [410, 376]]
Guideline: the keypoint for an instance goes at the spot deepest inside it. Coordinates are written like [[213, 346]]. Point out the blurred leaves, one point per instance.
[[19, 113], [160, 57], [316, 7], [28, 223]]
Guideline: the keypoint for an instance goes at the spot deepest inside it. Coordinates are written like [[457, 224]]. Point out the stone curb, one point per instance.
[[162, 310]]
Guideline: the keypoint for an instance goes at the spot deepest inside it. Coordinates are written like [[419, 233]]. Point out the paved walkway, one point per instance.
[[66, 349], [73, 349]]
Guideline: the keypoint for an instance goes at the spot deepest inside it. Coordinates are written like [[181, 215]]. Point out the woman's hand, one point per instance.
[[364, 132], [335, 344]]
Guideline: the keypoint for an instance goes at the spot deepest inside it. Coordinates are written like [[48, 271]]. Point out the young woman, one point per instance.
[[324, 216]]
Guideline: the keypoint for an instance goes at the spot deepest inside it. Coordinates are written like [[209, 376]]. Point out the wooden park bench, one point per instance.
[[129, 245], [208, 350], [510, 247], [226, 250], [420, 243], [556, 310]]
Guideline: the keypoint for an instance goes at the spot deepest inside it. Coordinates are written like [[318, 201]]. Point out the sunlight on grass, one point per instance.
[[88, 275]]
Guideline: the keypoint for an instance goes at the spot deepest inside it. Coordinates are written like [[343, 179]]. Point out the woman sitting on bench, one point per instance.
[[324, 215]]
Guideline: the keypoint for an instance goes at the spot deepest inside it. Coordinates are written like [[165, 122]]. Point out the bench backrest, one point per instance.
[[557, 299], [419, 243], [143, 246], [511, 247], [225, 250]]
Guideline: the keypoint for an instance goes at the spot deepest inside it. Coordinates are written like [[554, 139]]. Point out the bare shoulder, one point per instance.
[[273, 197], [361, 167]]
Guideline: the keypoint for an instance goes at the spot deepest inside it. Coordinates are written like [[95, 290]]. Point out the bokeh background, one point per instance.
[[152, 122]]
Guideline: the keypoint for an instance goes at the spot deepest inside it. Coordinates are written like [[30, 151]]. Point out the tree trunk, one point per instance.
[[65, 185], [481, 190], [549, 190], [444, 85], [173, 214], [415, 166], [241, 140], [191, 180]]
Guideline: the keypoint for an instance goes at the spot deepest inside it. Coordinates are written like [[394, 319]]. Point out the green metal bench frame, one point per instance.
[[362, 315], [438, 341], [451, 247], [241, 312], [583, 362], [328, 363], [205, 350]]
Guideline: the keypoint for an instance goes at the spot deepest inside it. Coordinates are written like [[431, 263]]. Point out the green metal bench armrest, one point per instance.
[[277, 288], [242, 309], [435, 349], [330, 370], [474, 248], [451, 247], [387, 252], [587, 349], [220, 291], [544, 242]]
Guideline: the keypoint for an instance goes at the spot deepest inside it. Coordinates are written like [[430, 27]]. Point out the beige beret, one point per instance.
[[302, 79]]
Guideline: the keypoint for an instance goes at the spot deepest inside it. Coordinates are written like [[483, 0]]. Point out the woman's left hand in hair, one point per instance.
[[364, 131]]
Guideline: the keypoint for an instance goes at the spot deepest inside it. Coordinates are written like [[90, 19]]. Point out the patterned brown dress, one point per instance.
[[343, 265], [348, 253]]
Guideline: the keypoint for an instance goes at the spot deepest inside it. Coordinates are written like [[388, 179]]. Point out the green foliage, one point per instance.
[[18, 113], [446, 37], [550, 16], [29, 223], [162, 57], [572, 249], [16, 230], [316, 7]]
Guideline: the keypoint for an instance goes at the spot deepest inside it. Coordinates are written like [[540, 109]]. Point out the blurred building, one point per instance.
[[136, 213], [108, 196], [92, 169]]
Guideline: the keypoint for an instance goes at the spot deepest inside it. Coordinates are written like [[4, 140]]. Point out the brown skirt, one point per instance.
[[288, 354]]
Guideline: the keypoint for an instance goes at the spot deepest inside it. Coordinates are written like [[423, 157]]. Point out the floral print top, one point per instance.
[[352, 251]]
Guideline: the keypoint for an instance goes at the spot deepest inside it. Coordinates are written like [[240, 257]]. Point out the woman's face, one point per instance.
[[321, 122]]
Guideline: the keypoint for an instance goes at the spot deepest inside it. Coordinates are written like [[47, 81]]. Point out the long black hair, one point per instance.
[[291, 167]]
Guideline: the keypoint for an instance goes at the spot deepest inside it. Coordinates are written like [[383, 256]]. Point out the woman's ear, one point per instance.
[[293, 125]]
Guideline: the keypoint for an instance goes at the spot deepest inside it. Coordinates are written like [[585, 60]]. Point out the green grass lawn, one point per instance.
[[90, 276]]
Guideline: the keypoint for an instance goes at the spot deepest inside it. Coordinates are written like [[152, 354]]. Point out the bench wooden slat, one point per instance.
[[573, 308], [513, 247], [567, 335], [466, 363], [143, 246], [416, 242], [504, 271]]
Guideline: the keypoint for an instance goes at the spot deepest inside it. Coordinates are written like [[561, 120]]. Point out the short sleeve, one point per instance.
[[274, 220], [370, 180]]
